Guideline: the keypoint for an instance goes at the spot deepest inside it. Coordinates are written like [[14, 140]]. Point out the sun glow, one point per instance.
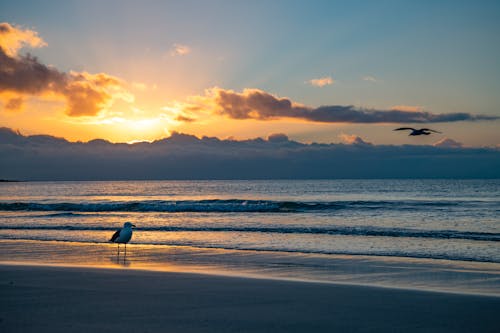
[[143, 129], [128, 127], [142, 124]]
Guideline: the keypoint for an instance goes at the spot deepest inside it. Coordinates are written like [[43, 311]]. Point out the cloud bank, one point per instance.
[[353, 139], [181, 156], [258, 104], [448, 143], [22, 75]]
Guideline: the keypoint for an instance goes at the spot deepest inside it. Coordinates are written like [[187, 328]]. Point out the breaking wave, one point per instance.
[[231, 205], [332, 230]]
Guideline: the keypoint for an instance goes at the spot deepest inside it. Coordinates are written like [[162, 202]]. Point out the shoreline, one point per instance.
[[232, 275], [467, 278], [57, 299]]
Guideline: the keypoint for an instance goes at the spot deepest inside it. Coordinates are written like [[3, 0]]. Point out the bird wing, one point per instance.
[[405, 128], [431, 130], [115, 235]]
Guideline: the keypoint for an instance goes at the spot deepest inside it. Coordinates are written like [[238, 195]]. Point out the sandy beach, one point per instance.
[[62, 299]]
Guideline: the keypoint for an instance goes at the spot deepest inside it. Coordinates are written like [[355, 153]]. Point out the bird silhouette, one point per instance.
[[123, 236], [414, 131]]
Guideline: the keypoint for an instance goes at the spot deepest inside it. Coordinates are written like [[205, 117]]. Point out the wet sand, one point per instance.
[[68, 299]]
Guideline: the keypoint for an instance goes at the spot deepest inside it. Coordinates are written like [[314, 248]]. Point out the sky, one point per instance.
[[317, 71]]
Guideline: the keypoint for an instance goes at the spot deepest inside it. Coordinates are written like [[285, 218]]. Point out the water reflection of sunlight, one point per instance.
[[120, 260], [426, 274]]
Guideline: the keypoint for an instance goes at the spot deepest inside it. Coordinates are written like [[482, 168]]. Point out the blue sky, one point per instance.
[[439, 56]]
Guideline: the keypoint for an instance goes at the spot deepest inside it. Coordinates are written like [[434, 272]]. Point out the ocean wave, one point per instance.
[[336, 230], [52, 214], [62, 214], [230, 205]]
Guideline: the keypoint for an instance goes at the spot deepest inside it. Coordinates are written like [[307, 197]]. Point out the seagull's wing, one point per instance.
[[431, 130], [405, 128], [115, 235]]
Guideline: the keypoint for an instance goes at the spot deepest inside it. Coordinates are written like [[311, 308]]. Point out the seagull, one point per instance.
[[123, 236], [414, 131]]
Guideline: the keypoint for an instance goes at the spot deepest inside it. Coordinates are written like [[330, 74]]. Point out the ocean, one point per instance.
[[381, 232]]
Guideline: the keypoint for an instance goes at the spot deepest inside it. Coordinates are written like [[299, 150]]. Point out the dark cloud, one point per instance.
[[14, 104], [278, 137], [184, 156], [350, 114], [258, 104], [25, 74], [185, 119], [86, 94]]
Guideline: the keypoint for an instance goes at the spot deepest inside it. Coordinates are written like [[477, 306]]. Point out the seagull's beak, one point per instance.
[[133, 225]]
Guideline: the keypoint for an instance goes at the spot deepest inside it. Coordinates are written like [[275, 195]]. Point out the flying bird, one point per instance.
[[123, 236], [414, 131]]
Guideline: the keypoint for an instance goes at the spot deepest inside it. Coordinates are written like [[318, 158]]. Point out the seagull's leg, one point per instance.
[[125, 250], [118, 255]]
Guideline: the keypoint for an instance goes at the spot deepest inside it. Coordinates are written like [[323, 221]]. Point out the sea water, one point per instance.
[[283, 226]]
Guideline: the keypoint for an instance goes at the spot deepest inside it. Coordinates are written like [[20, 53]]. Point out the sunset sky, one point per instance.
[[317, 71]]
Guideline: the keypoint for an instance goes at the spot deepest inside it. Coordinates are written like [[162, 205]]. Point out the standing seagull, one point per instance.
[[122, 236], [414, 131]]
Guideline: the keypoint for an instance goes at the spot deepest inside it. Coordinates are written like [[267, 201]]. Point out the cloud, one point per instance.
[[184, 119], [175, 112], [278, 137], [258, 104], [26, 75], [86, 94], [369, 78], [407, 108], [183, 156], [448, 143], [14, 104], [180, 50], [353, 139], [13, 38], [321, 82]]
